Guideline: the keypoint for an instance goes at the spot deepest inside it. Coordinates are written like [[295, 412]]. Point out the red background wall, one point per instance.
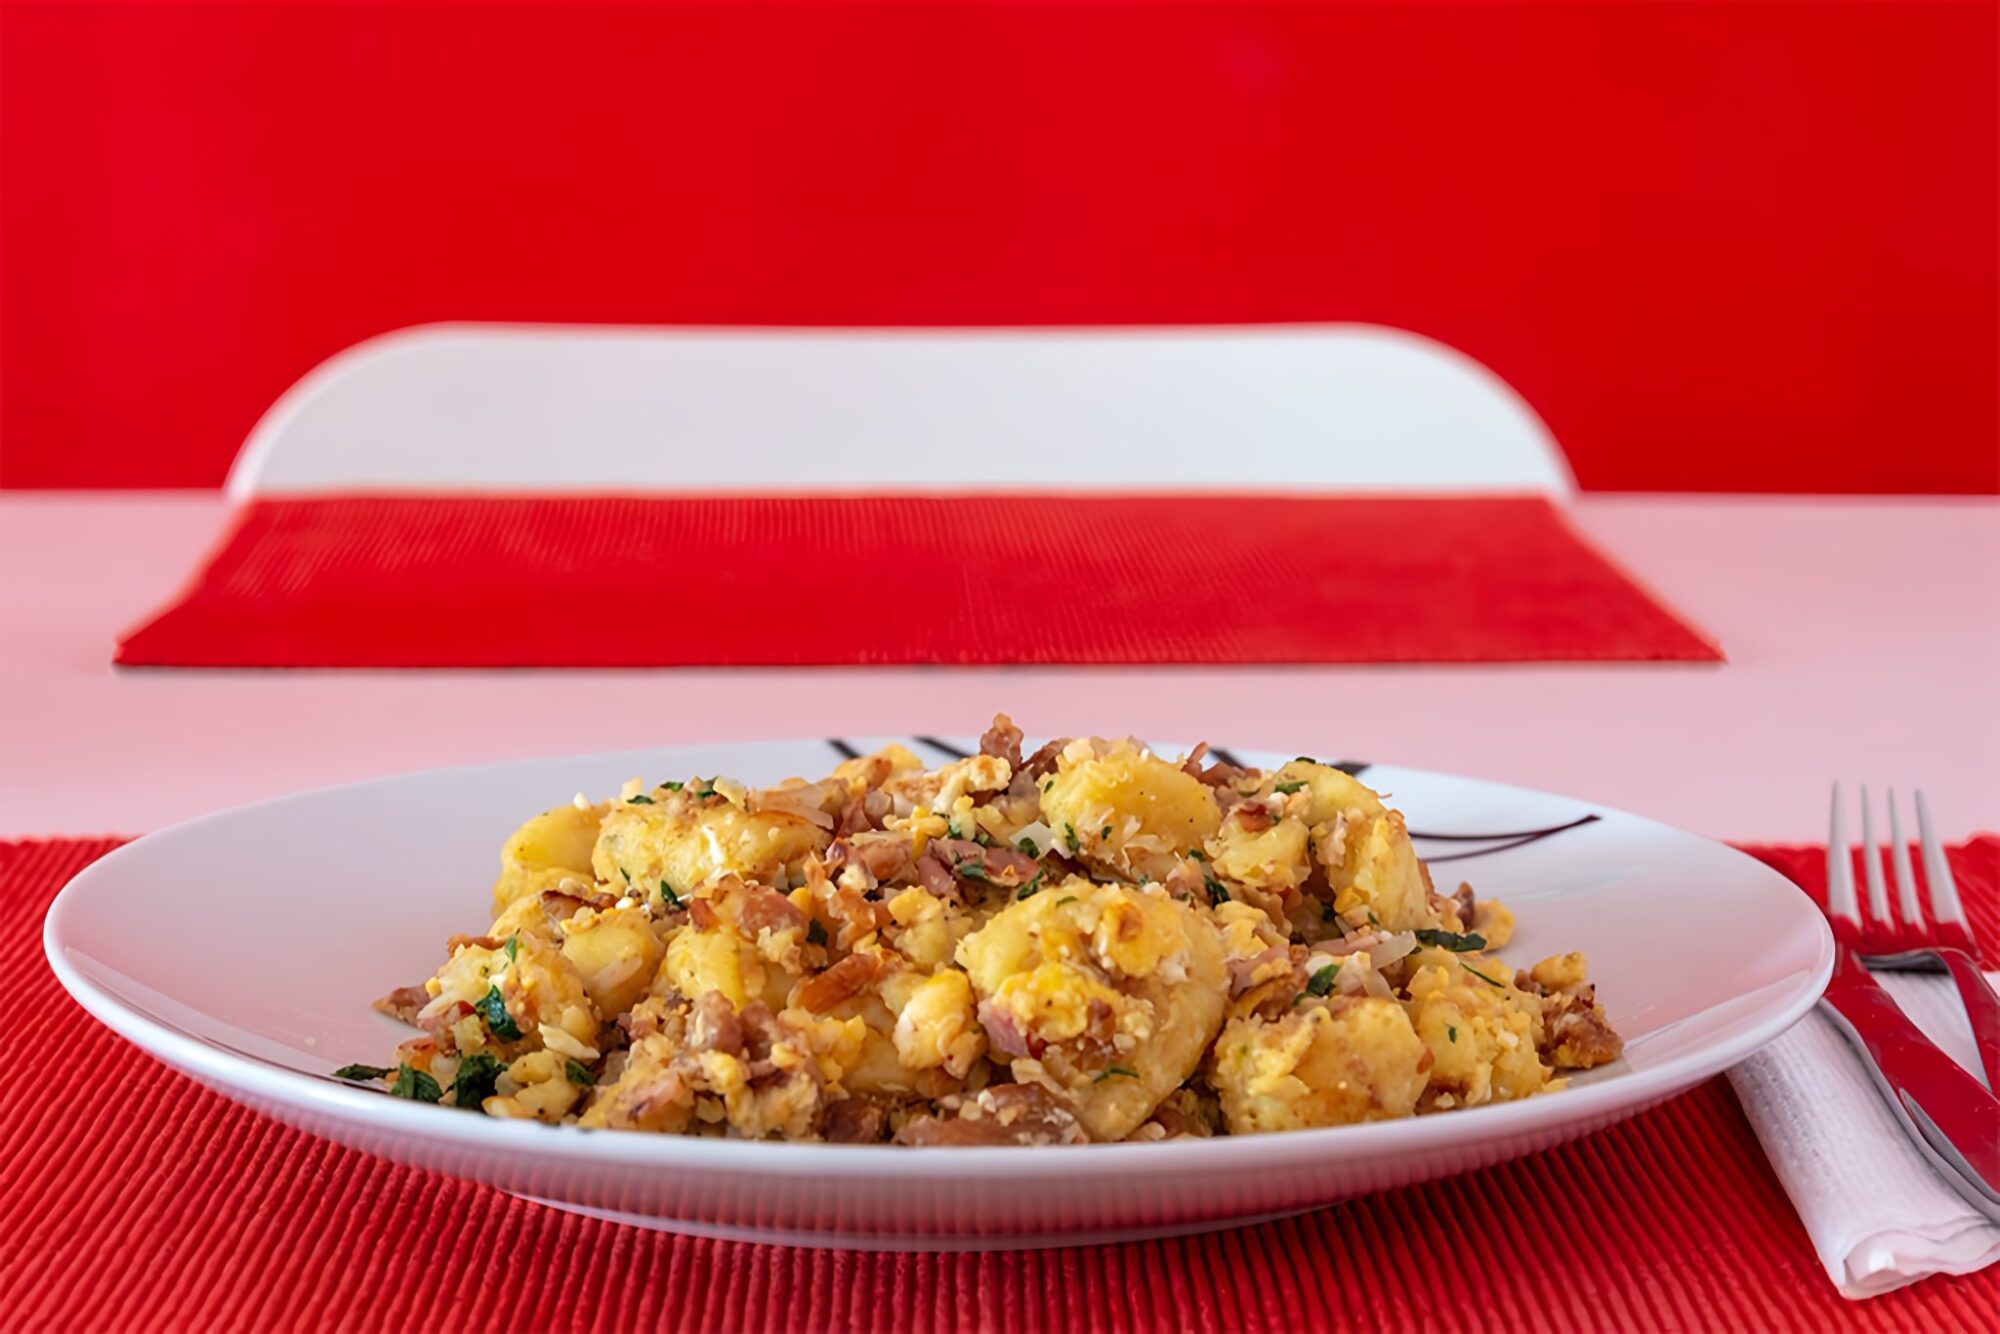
[[1718, 245]]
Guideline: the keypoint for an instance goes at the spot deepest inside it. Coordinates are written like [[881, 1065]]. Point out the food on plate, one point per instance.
[[1089, 943]]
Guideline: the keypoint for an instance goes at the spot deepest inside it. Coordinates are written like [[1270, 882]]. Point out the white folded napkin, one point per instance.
[[1878, 1215]]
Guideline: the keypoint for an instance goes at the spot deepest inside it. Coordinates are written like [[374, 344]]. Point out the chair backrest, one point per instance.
[[526, 407]]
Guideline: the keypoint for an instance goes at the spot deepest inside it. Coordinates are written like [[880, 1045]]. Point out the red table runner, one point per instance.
[[137, 1200], [603, 581]]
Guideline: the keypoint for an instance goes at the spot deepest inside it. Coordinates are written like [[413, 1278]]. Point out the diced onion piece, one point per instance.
[[1040, 835], [1391, 948]]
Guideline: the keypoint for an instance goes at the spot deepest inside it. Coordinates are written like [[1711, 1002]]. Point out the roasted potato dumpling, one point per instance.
[[1110, 993]]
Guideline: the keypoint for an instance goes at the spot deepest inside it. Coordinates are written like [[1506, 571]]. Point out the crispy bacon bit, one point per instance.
[[717, 1026], [702, 913], [1214, 775], [1004, 1035], [1186, 880], [882, 855], [561, 904], [760, 909], [1003, 740], [933, 877], [1005, 1114], [653, 1099], [850, 913], [403, 1003], [641, 1021], [438, 1024], [1253, 818], [1242, 972], [853, 817], [1578, 1036], [844, 981], [1174, 1123], [1465, 904], [1002, 866], [855, 1121], [453, 944], [804, 801], [1029, 773]]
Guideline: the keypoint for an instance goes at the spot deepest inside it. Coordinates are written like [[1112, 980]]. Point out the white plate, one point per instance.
[[243, 949]]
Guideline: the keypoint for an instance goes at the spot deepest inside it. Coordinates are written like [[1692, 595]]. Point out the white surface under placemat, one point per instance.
[[1877, 1213]]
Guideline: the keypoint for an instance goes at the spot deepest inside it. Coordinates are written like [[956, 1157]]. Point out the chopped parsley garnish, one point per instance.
[[1070, 839], [1028, 890], [628, 876], [513, 948], [1501, 986], [1321, 982], [1111, 1070], [815, 933], [667, 895], [1451, 1031], [1067, 898], [493, 1007], [982, 838], [1197, 854], [1290, 787], [673, 787], [478, 1076], [1048, 783], [1218, 893], [708, 791], [1027, 845], [1104, 832], [1373, 920], [1451, 940], [415, 1085], [363, 1072], [971, 868], [639, 799], [578, 1073]]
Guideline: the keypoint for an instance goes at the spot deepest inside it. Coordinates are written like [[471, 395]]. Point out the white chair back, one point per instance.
[[581, 408]]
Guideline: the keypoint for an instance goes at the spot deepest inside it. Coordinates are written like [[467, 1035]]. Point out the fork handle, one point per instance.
[[1982, 1007], [1950, 1115]]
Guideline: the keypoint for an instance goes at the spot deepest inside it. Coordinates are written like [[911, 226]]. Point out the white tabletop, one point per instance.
[[1863, 637]]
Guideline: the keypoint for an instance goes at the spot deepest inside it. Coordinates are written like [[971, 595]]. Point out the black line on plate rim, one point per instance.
[[1533, 836], [842, 749], [1577, 823], [942, 747]]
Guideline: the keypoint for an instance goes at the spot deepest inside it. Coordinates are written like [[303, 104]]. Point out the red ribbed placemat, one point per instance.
[[135, 1199], [604, 581]]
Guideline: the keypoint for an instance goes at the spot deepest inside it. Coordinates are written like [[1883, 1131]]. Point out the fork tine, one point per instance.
[[1945, 906], [1906, 880], [1839, 869], [1871, 866]]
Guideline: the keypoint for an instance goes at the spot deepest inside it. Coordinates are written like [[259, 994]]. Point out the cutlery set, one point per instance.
[[1948, 1114]]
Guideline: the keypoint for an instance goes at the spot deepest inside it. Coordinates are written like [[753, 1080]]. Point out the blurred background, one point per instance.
[[1717, 246]]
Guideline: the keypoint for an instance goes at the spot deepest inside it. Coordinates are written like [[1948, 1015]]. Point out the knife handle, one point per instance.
[[1951, 1116], [1982, 1008]]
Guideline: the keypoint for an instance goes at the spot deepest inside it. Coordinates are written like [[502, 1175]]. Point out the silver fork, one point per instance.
[[1903, 940]]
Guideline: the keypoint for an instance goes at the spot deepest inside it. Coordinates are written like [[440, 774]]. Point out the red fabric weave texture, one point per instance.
[[136, 1200], [521, 581]]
